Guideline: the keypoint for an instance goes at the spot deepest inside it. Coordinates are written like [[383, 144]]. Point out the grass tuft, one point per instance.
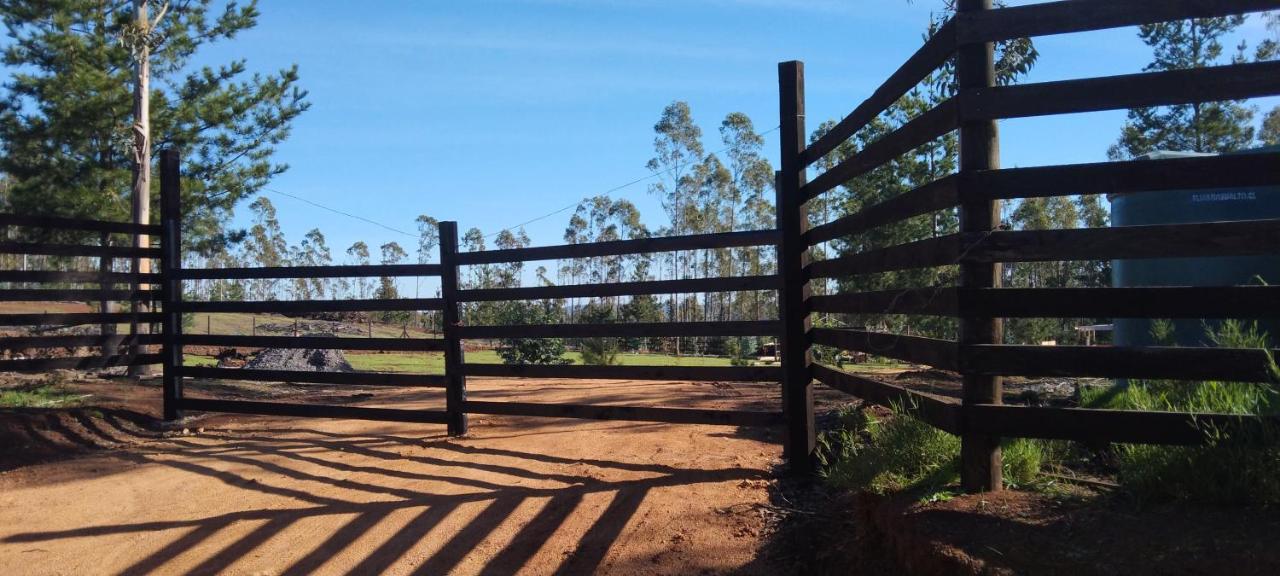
[[1228, 468], [903, 453], [47, 393]]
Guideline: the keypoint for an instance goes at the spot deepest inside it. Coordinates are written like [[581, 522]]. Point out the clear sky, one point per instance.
[[495, 112]]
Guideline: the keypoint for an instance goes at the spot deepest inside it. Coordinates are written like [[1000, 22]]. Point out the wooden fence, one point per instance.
[[454, 334], [172, 340], [120, 297], [980, 246]]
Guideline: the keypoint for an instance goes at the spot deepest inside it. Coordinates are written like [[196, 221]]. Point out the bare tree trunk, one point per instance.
[[142, 155]]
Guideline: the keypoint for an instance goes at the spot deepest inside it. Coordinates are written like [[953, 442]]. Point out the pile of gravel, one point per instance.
[[312, 328], [300, 359]]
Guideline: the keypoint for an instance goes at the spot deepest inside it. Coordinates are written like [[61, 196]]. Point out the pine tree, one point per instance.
[[1202, 127], [1269, 49], [66, 113]]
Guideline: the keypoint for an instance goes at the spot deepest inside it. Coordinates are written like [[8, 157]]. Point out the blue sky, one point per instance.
[[494, 112]]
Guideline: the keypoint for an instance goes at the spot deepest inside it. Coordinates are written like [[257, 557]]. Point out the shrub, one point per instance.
[[599, 351], [522, 351], [1023, 458], [901, 452], [897, 453], [1234, 468]]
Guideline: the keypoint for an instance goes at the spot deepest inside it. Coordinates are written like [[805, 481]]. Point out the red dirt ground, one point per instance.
[[258, 495]]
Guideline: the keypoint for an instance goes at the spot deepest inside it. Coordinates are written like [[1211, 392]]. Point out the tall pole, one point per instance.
[[141, 153], [980, 459], [793, 253]]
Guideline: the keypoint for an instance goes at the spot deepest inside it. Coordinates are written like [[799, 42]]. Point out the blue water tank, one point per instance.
[[1190, 206]]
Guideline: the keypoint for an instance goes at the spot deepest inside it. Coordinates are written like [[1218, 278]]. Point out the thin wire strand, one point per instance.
[[337, 211], [508, 228]]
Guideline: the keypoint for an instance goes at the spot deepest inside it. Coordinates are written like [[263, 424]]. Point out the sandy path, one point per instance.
[[254, 495]]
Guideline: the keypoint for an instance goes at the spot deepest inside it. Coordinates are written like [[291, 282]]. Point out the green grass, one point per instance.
[[902, 453], [201, 361], [1227, 469], [38, 395]]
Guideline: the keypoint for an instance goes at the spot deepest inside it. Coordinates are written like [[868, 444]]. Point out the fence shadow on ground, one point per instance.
[[366, 478]]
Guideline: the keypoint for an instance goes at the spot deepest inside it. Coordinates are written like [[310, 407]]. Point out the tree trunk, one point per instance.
[[142, 156]]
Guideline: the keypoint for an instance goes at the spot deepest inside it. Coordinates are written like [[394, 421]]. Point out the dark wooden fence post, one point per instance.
[[979, 150], [793, 220], [455, 381], [170, 283]]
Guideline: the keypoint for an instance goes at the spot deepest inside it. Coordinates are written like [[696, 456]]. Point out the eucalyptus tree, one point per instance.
[[392, 253], [265, 245], [313, 251], [358, 254], [677, 160]]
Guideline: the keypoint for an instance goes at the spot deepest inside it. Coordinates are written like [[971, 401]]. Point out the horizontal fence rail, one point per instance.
[[691, 286], [307, 306], [79, 224], [678, 373], [1091, 425], [265, 272], [316, 342], [41, 249], [1169, 363], [942, 413], [79, 341], [1141, 302], [49, 276], [1233, 82], [78, 295], [1168, 174], [623, 330], [306, 377], [1204, 239], [914, 349], [1049, 18], [937, 195], [921, 130], [78, 363], [939, 301], [622, 247], [314, 411], [76, 318], [940, 251], [633, 413]]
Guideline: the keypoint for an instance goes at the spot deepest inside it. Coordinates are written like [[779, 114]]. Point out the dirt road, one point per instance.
[[255, 495]]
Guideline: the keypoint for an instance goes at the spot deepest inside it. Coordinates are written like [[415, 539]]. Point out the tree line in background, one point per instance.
[[701, 193]]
